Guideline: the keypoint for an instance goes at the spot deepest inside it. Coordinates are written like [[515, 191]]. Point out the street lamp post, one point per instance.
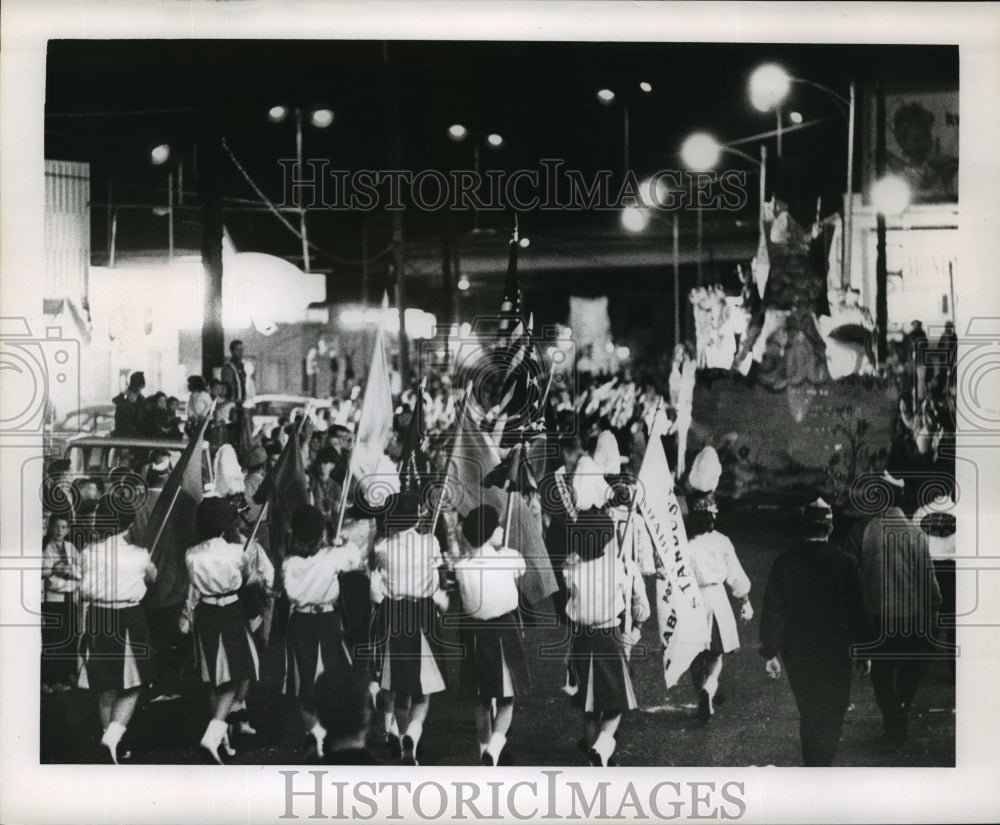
[[701, 152], [321, 118], [459, 133], [769, 86], [607, 97]]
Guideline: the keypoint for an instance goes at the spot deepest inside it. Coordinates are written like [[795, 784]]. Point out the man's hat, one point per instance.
[[817, 512], [480, 524], [308, 524]]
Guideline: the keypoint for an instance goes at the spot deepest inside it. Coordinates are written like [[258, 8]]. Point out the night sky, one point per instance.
[[539, 96]]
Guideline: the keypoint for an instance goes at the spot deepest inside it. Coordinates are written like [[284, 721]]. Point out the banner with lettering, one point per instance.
[[680, 613]]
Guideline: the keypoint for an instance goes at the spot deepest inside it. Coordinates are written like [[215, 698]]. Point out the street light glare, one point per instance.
[[463, 283], [160, 154], [321, 118], [494, 140], [646, 87], [653, 195], [524, 243], [795, 117], [700, 152], [606, 96], [458, 132], [276, 114], [769, 85], [891, 195], [634, 219]]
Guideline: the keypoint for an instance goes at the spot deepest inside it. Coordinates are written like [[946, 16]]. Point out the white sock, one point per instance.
[[605, 746], [112, 736], [497, 742], [482, 749], [238, 706], [413, 730], [318, 732]]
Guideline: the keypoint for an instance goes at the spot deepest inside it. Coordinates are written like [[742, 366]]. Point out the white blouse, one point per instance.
[[313, 580], [714, 561], [597, 589], [409, 561], [487, 581], [114, 570], [216, 567]]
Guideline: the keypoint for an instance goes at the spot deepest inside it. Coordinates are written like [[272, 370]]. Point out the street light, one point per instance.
[[891, 195], [459, 133], [321, 118], [606, 97]]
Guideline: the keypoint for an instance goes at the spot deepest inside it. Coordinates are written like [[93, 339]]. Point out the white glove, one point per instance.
[[440, 598], [183, 625], [773, 668], [746, 611]]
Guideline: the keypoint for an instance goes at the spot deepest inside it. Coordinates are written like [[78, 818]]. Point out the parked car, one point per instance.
[[95, 457], [268, 409], [93, 420]]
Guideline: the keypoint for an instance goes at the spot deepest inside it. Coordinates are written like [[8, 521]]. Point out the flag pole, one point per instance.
[[459, 417], [256, 526], [199, 438], [357, 433]]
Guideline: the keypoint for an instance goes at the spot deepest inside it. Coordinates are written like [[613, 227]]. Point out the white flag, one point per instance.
[[680, 613]]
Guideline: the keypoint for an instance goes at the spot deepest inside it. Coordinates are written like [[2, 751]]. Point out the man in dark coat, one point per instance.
[[811, 615], [901, 604], [130, 408]]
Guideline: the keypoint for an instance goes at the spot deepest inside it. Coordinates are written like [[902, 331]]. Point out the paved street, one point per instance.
[[757, 724]]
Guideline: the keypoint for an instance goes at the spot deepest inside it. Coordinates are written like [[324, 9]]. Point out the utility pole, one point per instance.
[[398, 258], [213, 345], [881, 273]]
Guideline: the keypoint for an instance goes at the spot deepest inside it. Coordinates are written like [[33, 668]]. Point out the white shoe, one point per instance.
[[112, 736], [214, 733], [491, 756], [600, 752]]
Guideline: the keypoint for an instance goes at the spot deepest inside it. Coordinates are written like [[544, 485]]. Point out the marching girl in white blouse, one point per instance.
[[409, 563], [315, 637], [116, 648], [227, 656]]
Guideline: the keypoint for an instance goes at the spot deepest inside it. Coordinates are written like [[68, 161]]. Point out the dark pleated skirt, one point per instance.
[[226, 651], [410, 663], [494, 664], [315, 642], [116, 651], [598, 659]]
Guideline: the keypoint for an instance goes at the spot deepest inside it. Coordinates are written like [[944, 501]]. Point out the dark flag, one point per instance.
[[518, 415], [169, 529], [285, 489], [413, 464], [473, 458]]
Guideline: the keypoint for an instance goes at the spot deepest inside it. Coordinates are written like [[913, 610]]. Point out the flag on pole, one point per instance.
[[472, 458], [510, 307], [168, 528], [412, 461], [518, 414], [285, 489], [375, 423], [681, 618]]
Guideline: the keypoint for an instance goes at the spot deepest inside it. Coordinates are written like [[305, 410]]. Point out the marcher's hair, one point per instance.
[[196, 383], [343, 703], [480, 525], [307, 530], [326, 455], [214, 517], [401, 512], [234, 344], [570, 443], [700, 522]]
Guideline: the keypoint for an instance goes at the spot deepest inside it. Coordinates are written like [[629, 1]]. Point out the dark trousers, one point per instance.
[[822, 689], [60, 633]]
